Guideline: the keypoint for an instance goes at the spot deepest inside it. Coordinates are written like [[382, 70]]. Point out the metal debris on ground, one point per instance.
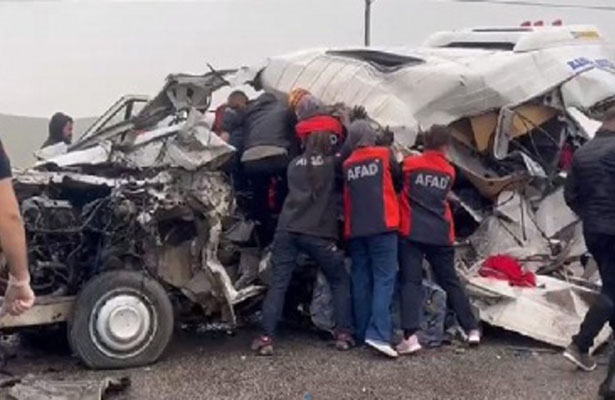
[[41, 389]]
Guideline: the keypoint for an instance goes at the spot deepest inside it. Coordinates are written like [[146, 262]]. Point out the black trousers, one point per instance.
[[442, 261], [602, 248], [286, 247]]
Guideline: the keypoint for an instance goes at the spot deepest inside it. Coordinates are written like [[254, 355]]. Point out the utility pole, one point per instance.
[[368, 21]]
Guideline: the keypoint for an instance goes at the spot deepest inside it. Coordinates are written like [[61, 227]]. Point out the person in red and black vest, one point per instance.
[[372, 180], [427, 230]]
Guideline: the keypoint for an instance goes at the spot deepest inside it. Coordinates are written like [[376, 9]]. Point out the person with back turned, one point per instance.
[[371, 216], [427, 231], [590, 193]]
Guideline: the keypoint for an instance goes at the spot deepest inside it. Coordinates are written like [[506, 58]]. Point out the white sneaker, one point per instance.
[[409, 346], [474, 337], [382, 347]]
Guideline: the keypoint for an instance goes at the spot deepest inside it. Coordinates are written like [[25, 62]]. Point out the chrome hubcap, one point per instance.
[[123, 324]]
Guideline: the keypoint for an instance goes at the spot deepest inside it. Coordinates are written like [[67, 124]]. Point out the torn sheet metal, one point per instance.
[[486, 181], [47, 310], [51, 151], [590, 87], [553, 214], [587, 125], [511, 226], [42, 389], [181, 92], [92, 156], [189, 145], [551, 313], [197, 145], [42, 178]]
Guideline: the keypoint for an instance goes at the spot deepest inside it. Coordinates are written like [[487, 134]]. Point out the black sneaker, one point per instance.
[[582, 360]]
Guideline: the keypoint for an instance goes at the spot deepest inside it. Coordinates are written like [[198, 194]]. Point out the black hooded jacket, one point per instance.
[[590, 185], [268, 122]]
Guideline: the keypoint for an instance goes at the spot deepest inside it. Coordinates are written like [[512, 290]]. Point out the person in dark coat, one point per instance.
[[308, 223], [590, 193], [60, 130], [267, 146]]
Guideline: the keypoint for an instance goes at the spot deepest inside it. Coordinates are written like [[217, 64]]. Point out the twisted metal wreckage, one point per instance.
[[146, 192]]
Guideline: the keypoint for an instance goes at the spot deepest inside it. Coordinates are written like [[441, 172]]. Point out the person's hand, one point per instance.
[[18, 298], [225, 136], [358, 112]]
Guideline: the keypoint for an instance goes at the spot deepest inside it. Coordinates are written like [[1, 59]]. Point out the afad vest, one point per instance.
[[426, 215], [370, 202]]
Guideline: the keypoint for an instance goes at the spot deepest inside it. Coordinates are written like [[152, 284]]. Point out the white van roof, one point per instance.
[[517, 39]]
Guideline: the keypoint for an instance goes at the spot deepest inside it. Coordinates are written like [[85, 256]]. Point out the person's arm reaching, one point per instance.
[[19, 296]]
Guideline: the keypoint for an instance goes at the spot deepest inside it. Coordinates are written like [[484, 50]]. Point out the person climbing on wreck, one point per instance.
[[308, 223], [371, 217], [427, 231], [590, 192], [60, 130]]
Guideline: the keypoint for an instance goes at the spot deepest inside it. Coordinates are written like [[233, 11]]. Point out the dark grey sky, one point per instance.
[[79, 56]]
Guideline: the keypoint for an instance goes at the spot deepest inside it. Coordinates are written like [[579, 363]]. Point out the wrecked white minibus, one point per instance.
[[135, 225]]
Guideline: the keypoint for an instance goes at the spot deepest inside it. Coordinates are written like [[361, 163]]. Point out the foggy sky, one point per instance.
[[80, 56]]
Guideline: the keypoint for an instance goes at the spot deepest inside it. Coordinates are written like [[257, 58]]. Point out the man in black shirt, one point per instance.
[[18, 297]]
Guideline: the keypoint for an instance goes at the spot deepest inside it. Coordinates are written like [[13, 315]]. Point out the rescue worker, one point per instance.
[[372, 179], [18, 297], [427, 231], [60, 130], [590, 193], [308, 223]]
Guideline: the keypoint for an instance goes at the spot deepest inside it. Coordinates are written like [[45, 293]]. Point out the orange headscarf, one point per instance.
[[295, 96]]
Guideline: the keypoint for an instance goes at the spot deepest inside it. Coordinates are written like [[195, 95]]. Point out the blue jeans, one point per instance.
[[330, 259], [373, 274]]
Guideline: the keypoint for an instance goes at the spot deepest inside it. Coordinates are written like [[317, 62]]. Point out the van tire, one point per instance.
[[121, 319]]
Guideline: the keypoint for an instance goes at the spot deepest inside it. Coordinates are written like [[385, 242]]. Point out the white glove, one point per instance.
[[18, 298]]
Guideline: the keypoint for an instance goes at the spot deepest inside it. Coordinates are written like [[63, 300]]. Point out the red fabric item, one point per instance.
[[319, 123], [508, 269], [565, 160], [219, 117]]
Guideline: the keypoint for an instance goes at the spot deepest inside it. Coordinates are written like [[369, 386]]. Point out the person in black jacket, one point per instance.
[[590, 193], [268, 145], [60, 130], [308, 223]]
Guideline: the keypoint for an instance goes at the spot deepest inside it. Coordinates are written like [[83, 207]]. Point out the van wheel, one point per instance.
[[121, 319]]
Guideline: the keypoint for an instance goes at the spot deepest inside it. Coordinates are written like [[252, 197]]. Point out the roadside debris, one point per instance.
[[31, 388]]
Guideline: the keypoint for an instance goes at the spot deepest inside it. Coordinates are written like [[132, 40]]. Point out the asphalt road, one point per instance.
[[217, 366]]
